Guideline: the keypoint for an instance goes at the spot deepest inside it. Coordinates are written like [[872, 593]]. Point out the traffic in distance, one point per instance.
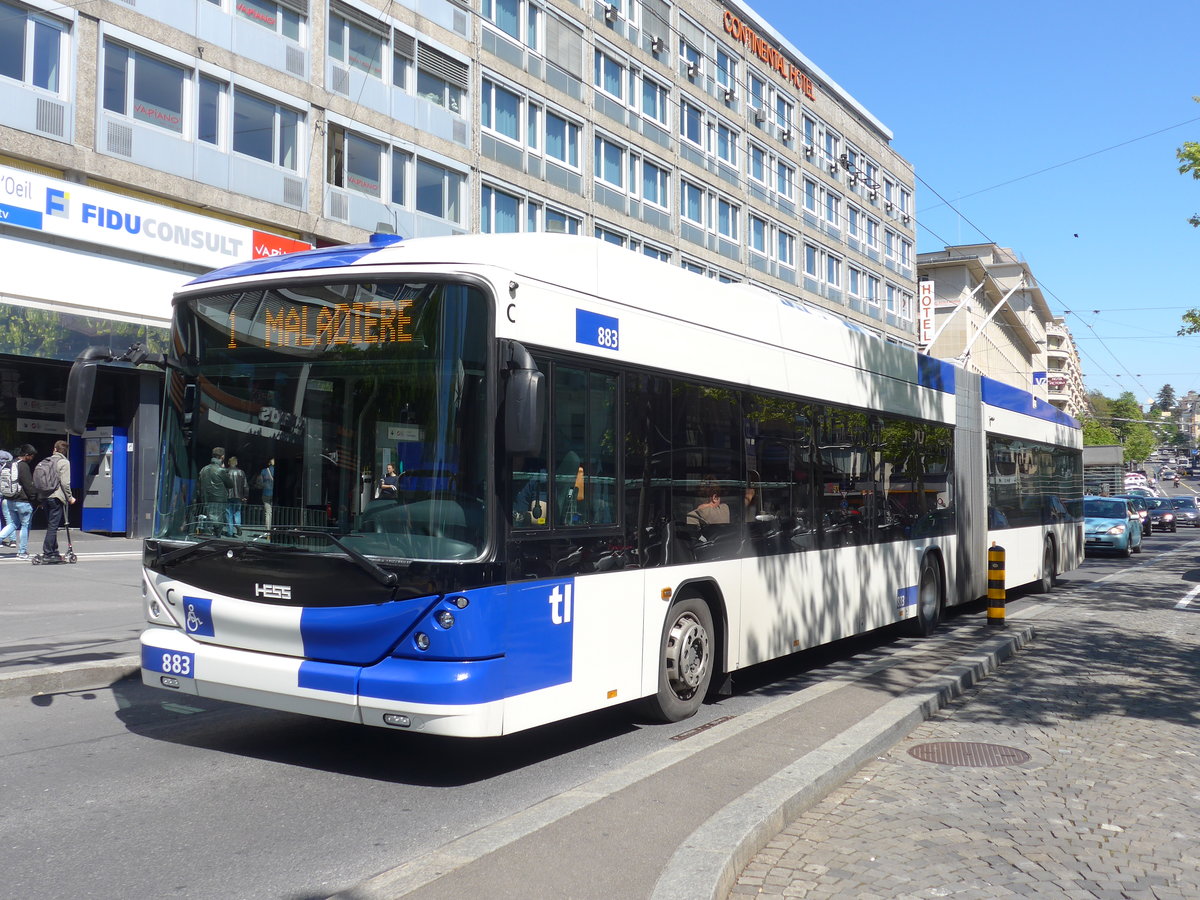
[[1149, 502], [516, 478]]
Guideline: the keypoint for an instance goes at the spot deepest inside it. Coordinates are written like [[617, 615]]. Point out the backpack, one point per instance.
[[10, 485], [45, 478]]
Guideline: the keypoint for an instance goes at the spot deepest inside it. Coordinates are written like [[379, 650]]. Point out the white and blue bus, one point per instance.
[[497, 481]]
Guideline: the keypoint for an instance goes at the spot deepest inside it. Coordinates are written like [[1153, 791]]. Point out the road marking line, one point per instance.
[[1188, 597]]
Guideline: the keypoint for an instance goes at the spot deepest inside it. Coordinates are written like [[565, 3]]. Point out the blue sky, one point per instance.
[[1009, 111]]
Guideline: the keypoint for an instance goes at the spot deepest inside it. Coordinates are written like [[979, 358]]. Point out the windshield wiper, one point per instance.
[[180, 552], [387, 579]]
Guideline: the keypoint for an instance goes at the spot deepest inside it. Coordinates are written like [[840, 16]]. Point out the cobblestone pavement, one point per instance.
[[1104, 701]]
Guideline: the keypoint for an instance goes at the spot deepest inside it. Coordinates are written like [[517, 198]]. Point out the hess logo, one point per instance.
[[273, 591]]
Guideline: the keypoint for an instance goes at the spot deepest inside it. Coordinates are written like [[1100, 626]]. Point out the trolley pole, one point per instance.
[[996, 594]]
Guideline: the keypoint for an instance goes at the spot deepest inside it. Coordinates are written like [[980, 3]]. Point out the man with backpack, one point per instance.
[[52, 482], [16, 486]]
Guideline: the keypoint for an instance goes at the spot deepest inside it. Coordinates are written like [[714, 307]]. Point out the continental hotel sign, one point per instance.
[[769, 54]]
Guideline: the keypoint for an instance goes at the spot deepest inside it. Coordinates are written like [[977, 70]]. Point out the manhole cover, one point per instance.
[[966, 753]]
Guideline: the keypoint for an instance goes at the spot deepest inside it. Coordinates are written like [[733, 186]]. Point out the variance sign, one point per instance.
[[61, 208]]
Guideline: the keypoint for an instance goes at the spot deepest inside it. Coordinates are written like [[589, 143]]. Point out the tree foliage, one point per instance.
[[1189, 164], [1098, 434], [1139, 443]]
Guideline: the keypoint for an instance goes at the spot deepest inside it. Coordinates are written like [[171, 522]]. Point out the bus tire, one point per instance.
[[1049, 563], [685, 663], [929, 600]]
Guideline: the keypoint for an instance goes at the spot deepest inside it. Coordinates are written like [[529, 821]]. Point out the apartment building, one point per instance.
[[982, 307], [145, 141]]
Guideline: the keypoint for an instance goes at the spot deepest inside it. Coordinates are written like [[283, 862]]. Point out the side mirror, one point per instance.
[[524, 404], [81, 384], [523, 411]]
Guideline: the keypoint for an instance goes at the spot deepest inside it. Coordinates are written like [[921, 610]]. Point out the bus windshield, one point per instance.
[[352, 409]]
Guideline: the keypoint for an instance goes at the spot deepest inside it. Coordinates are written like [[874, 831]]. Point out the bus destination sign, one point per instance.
[[318, 327]]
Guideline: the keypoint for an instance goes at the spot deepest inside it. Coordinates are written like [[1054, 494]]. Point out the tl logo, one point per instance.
[[560, 604]]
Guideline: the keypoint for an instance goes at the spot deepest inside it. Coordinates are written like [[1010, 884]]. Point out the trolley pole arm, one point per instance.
[[961, 359]]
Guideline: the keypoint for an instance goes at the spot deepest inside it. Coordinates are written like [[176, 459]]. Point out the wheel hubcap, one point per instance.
[[687, 655]]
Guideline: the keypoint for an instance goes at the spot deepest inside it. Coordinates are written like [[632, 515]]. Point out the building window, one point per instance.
[[691, 57], [353, 45], [265, 130], [210, 112], [271, 16], [833, 271], [499, 212], [758, 235], [654, 100], [401, 167], [726, 70], [854, 221], [559, 222], [691, 122], [811, 257], [783, 112], [610, 162], [833, 144], [441, 79], [727, 219], [785, 179], [505, 15], [833, 208], [691, 202], [500, 111], [654, 184], [609, 75], [810, 195], [439, 191], [757, 163], [144, 88], [363, 165], [786, 249], [562, 139], [727, 141], [757, 91], [872, 233], [31, 48]]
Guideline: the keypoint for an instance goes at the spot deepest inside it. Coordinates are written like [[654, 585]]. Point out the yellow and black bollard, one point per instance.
[[996, 595]]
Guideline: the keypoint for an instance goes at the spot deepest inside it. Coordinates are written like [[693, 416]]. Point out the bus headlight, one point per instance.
[[422, 640], [446, 619]]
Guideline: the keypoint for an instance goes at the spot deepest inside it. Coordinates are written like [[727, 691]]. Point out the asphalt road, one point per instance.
[[132, 792]]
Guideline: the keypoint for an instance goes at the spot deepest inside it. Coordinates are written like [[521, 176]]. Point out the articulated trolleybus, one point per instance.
[[496, 481]]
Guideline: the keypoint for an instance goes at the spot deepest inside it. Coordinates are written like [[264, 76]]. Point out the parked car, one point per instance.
[[1142, 505], [1112, 525], [1162, 514], [1187, 511]]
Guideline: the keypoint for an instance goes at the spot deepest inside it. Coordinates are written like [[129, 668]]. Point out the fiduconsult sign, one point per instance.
[[61, 208]]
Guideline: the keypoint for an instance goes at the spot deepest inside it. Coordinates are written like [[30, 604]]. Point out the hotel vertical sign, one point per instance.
[[924, 314]]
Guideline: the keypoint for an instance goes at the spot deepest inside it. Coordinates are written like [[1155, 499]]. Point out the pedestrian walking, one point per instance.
[[214, 485], [266, 483], [16, 482], [52, 482], [239, 493]]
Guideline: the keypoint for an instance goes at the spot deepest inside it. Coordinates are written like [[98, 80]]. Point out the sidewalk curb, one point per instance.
[[709, 862], [71, 677]]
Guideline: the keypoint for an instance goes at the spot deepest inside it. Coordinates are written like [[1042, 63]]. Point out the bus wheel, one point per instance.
[[1046, 583], [929, 600], [685, 662]]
